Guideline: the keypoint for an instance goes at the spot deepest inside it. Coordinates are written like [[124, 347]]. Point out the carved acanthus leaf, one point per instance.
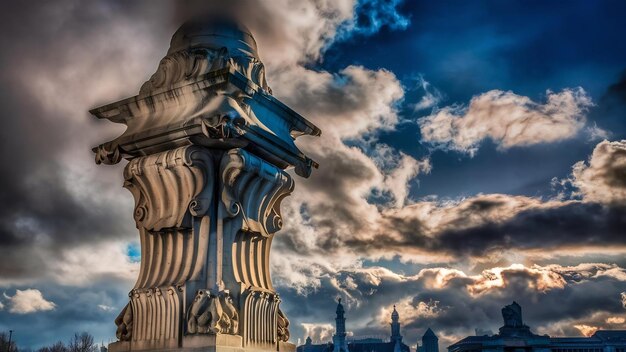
[[254, 189], [212, 313], [170, 187]]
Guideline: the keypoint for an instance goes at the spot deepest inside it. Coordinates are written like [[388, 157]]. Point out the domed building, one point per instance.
[[515, 336]]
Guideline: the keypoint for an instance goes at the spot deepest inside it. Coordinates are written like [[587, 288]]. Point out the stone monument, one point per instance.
[[207, 145], [513, 323]]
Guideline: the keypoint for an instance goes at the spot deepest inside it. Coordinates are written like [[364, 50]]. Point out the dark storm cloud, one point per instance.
[[575, 225], [554, 299], [57, 211], [543, 309], [593, 217], [571, 225], [43, 208]]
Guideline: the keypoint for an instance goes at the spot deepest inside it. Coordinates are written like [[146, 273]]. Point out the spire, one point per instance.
[[429, 334], [394, 315], [395, 326], [340, 309], [339, 339], [430, 342]]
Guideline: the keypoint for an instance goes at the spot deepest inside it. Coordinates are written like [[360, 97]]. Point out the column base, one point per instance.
[[200, 343]]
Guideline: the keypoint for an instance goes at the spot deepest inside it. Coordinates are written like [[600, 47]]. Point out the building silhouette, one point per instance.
[[341, 344], [430, 342], [515, 336], [339, 338]]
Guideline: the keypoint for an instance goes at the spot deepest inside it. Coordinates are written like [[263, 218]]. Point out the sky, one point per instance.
[[472, 154]]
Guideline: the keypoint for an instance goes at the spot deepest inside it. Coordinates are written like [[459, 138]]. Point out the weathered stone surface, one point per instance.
[[210, 91], [207, 146]]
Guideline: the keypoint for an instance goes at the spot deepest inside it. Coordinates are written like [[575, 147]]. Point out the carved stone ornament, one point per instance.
[[283, 326], [124, 323], [171, 187], [254, 189], [209, 90], [208, 146], [211, 313]]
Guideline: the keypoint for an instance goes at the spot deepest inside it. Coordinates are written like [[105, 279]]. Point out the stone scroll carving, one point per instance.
[[173, 192], [253, 189], [170, 187], [251, 196]]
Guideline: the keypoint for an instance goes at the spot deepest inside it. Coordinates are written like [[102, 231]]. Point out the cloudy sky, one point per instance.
[[473, 153]]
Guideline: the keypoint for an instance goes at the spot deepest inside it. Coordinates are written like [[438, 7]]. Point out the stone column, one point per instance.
[[207, 146]]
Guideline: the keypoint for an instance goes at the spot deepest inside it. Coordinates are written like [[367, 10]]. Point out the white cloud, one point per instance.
[[603, 178], [508, 119], [431, 96], [414, 231], [106, 308], [354, 101], [596, 133], [399, 169], [292, 32], [28, 301], [540, 278], [85, 264], [318, 332], [410, 311]]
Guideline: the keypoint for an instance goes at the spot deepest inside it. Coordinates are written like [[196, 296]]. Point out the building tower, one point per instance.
[[395, 326], [339, 339], [396, 338], [430, 342]]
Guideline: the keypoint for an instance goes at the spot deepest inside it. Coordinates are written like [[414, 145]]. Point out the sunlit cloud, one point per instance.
[[508, 119], [28, 301]]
